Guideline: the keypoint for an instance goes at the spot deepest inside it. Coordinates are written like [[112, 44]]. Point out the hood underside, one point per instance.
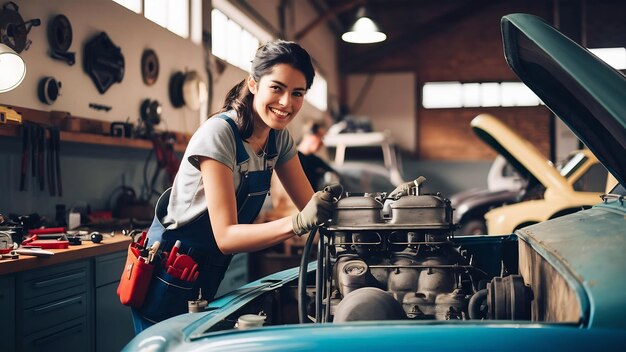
[[586, 93]]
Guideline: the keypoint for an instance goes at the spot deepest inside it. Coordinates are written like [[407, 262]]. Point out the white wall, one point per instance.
[[389, 102], [132, 33]]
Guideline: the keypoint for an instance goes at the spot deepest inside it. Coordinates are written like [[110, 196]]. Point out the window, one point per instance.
[[594, 180], [318, 94], [133, 5], [437, 95], [232, 35], [175, 15]]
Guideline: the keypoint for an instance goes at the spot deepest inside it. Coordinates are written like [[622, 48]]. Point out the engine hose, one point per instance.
[[475, 303], [302, 277]]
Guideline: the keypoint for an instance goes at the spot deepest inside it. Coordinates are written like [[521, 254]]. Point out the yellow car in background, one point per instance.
[[552, 191]]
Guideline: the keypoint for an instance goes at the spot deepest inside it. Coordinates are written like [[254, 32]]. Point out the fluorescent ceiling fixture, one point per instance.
[[615, 57], [363, 31], [12, 69]]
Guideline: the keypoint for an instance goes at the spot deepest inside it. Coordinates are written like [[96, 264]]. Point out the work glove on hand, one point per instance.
[[403, 189], [317, 211]]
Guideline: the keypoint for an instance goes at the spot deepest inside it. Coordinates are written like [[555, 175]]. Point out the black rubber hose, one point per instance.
[[475, 303], [302, 277]]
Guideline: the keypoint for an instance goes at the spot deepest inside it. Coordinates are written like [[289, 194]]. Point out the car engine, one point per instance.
[[389, 259]]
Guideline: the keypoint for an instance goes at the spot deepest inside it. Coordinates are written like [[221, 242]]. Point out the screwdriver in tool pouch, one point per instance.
[[173, 252]]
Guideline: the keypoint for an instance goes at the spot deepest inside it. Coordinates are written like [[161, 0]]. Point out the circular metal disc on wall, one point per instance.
[[16, 40], [194, 91], [149, 67], [49, 90], [60, 34], [176, 89]]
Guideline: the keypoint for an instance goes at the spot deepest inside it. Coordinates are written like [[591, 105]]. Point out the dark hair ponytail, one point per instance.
[[239, 98]]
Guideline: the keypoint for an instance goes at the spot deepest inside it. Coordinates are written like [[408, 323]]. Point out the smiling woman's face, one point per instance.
[[278, 96]]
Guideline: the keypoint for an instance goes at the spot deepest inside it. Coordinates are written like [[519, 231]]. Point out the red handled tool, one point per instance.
[[173, 253]]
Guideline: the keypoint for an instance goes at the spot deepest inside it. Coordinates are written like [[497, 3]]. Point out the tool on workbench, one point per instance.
[[6, 242], [37, 252], [58, 243]]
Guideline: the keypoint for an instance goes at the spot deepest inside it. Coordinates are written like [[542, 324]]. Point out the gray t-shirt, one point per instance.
[[213, 139]]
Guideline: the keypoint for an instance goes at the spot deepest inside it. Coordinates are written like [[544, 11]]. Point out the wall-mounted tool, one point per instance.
[[103, 62], [54, 162], [8, 115], [189, 89], [121, 129], [13, 29], [49, 90], [60, 39], [95, 106], [149, 67], [150, 112]]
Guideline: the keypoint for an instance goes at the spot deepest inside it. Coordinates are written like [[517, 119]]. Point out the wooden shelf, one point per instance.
[[43, 118]]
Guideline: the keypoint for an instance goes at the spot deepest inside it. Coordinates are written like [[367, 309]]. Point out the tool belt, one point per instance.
[[158, 280]]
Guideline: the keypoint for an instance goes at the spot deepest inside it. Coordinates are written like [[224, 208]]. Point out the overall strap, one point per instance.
[[272, 152], [242, 155]]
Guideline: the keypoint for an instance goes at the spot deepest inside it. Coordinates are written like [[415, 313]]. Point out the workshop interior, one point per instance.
[[491, 111]]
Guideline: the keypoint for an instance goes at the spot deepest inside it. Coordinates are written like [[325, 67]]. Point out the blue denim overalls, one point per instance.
[[167, 295]]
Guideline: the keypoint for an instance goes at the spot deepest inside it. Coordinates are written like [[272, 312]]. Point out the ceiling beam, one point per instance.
[[417, 33], [326, 16]]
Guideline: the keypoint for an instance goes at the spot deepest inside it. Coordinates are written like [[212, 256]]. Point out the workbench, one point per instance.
[[66, 302]]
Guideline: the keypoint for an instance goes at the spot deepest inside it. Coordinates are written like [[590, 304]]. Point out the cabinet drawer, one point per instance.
[[45, 282], [52, 313], [73, 335], [108, 268], [7, 319]]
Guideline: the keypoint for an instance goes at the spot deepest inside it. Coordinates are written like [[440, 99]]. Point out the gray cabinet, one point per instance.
[[114, 327], [53, 305], [65, 307], [7, 302]]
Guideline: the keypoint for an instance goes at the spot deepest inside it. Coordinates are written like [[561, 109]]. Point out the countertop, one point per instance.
[[85, 250]]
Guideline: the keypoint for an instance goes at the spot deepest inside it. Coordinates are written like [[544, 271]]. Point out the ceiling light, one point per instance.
[[12, 69], [364, 30]]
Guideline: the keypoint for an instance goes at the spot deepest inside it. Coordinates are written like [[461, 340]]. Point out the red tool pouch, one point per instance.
[[135, 278]]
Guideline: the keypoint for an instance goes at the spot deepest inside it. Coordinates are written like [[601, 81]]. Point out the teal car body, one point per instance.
[[573, 265]]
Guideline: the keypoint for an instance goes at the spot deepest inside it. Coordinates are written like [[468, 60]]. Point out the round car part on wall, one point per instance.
[[150, 112], [188, 89], [60, 39], [176, 89], [13, 29], [49, 90], [149, 67]]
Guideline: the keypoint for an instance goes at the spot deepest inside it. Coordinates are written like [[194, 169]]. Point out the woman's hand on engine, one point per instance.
[[404, 189], [317, 211]]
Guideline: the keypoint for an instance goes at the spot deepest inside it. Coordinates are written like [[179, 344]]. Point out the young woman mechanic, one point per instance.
[[224, 178]]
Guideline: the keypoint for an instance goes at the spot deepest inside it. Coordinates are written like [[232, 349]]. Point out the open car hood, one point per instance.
[[529, 162], [583, 91]]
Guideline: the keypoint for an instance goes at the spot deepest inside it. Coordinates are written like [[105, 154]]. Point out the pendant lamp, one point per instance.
[[12, 69], [364, 30]]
